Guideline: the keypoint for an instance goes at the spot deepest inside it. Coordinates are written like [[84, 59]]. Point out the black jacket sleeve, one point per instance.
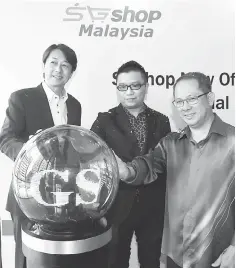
[[14, 124]]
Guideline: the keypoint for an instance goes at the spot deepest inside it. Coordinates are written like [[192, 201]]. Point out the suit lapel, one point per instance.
[[70, 112], [45, 112]]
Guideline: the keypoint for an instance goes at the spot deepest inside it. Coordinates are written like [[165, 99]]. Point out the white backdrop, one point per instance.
[[183, 36]]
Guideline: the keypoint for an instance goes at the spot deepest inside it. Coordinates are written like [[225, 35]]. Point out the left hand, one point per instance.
[[226, 259]]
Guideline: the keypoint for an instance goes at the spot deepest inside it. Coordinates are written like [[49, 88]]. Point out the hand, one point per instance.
[[124, 171], [103, 222], [91, 209], [226, 259]]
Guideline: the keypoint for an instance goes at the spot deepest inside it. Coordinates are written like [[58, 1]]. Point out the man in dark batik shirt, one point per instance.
[[200, 166], [133, 129]]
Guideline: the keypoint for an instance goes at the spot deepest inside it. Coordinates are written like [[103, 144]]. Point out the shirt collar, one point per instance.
[[128, 113], [185, 133], [217, 126], [50, 94]]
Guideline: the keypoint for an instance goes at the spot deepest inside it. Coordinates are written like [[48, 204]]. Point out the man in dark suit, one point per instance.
[[132, 129], [38, 108]]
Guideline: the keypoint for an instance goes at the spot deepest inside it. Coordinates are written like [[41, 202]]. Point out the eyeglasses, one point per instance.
[[190, 101], [132, 86]]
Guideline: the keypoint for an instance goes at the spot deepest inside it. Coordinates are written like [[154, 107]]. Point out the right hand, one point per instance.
[[103, 222]]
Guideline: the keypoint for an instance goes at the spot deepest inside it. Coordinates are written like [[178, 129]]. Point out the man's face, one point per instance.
[[194, 115], [132, 98], [57, 70]]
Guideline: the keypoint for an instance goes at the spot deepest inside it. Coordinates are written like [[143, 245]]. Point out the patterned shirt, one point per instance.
[[199, 222], [138, 127]]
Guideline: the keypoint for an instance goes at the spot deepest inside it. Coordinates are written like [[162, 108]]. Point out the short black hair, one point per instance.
[[132, 66], [204, 81], [67, 51]]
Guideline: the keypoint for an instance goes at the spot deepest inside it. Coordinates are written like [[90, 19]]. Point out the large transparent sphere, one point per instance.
[[65, 174]]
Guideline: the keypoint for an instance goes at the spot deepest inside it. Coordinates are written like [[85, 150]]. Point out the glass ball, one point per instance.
[[65, 174]]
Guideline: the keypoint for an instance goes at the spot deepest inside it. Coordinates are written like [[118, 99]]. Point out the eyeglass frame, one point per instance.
[[130, 86], [183, 101]]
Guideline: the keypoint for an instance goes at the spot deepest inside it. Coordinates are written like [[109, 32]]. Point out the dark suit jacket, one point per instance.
[[27, 112], [113, 127]]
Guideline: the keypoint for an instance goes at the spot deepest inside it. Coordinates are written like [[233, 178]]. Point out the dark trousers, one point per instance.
[[20, 260], [148, 227]]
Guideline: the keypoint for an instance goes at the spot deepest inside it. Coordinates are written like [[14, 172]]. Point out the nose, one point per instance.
[[129, 91], [58, 68]]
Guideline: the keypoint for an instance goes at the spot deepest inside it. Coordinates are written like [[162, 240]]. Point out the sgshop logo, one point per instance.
[[115, 20]]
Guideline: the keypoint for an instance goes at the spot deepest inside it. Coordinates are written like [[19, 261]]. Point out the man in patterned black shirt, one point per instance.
[[132, 129]]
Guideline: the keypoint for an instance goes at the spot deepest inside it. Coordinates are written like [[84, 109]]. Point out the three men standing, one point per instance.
[[194, 169]]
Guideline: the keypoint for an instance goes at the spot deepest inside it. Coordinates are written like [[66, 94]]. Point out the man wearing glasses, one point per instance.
[[133, 129], [199, 161]]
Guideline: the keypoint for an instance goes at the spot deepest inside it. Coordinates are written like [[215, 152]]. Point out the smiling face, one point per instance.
[[193, 115], [132, 99], [57, 70]]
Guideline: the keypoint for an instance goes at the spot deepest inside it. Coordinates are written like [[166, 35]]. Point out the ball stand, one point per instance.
[[48, 249]]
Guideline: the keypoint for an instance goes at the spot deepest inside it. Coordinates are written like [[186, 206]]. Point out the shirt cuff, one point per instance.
[[141, 171]]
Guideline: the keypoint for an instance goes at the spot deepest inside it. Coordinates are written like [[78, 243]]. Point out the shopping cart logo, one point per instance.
[[107, 22], [76, 13]]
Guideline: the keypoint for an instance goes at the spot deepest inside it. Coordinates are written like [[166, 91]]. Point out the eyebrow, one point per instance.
[[188, 96], [55, 58], [132, 82]]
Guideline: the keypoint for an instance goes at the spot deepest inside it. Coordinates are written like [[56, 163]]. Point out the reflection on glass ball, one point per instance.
[[65, 174]]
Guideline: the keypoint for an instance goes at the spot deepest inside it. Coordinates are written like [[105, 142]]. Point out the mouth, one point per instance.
[[59, 77], [189, 116]]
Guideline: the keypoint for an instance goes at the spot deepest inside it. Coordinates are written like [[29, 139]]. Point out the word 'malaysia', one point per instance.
[[91, 30]]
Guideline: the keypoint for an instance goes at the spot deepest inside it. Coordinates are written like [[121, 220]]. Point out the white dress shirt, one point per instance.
[[57, 105]]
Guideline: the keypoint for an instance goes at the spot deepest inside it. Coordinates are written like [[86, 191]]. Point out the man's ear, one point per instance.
[[147, 87], [146, 91], [211, 98], [43, 67]]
